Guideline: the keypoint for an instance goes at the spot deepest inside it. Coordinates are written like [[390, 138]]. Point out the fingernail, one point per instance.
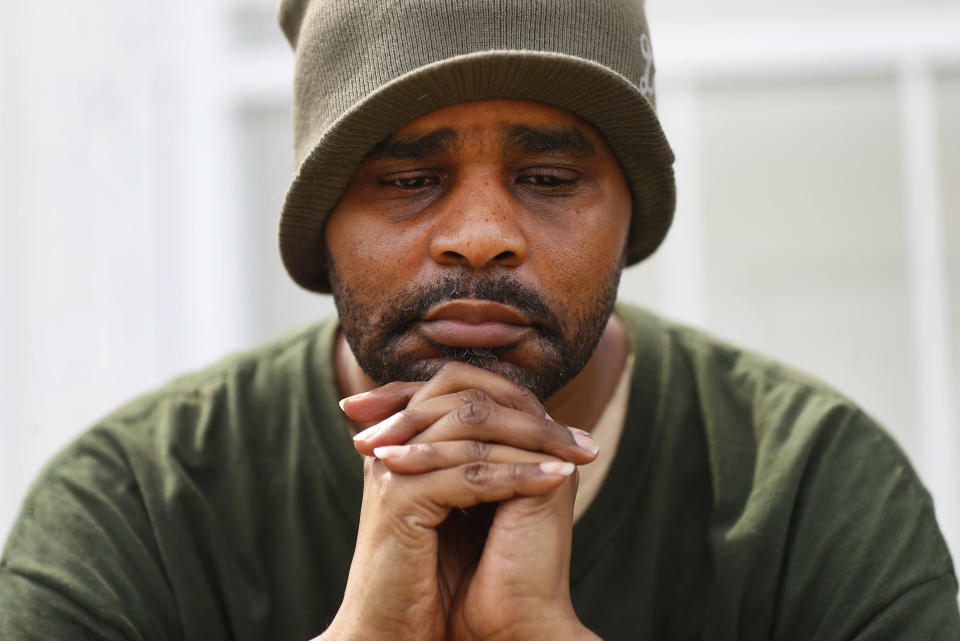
[[390, 451], [349, 398], [382, 426], [558, 468], [577, 430], [585, 442], [549, 418], [368, 433]]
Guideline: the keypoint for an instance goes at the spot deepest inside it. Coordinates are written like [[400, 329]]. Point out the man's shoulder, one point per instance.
[[694, 366], [758, 419], [247, 405], [270, 373], [806, 496], [235, 417], [709, 354], [166, 497]]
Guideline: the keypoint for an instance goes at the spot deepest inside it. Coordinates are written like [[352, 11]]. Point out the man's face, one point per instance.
[[490, 232]]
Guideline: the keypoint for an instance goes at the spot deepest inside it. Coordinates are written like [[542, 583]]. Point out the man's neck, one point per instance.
[[579, 403]]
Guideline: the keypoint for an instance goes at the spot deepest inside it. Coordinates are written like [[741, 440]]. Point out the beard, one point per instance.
[[383, 337]]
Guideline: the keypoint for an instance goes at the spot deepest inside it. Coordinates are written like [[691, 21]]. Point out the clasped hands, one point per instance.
[[467, 516]]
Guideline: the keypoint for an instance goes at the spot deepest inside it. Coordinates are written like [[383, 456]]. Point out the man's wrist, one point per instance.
[[558, 630]]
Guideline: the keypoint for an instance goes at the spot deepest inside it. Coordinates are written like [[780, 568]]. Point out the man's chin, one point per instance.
[[535, 362], [542, 384]]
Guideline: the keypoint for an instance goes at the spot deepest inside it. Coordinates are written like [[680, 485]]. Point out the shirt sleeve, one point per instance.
[[924, 611], [866, 559], [81, 563]]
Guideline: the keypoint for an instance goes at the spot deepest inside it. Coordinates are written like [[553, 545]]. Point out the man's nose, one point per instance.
[[478, 227]]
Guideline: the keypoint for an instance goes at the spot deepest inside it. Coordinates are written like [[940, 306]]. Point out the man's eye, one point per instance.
[[411, 182], [547, 180]]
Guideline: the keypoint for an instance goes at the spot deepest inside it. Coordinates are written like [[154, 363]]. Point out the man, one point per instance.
[[473, 177]]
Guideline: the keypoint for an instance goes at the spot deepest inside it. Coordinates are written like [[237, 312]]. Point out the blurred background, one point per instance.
[[145, 149]]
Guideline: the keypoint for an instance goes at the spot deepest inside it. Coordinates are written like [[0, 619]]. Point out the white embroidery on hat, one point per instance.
[[646, 82]]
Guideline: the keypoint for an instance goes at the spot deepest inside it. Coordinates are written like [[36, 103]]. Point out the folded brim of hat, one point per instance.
[[617, 108]]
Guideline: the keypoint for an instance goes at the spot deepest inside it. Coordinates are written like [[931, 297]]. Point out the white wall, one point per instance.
[[145, 151], [124, 249]]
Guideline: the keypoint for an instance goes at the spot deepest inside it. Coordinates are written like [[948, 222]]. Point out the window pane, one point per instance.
[[949, 128], [265, 158]]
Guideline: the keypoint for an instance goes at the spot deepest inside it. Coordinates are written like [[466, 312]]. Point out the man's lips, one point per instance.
[[474, 323]]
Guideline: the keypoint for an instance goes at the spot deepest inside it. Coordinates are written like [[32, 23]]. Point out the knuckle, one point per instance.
[[478, 450], [404, 418], [474, 412], [382, 486], [527, 398], [546, 432], [407, 413], [477, 475], [429, 450], [514, 471], [387, 482], [473, 396]]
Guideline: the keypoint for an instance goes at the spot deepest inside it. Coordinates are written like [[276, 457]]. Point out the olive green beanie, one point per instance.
[[366, 67]]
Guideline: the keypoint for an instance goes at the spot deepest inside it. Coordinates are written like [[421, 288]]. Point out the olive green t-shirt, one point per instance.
[[745, 502]]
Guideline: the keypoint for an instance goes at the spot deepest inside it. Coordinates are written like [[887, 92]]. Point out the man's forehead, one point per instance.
[[511, 138], [516, 126]]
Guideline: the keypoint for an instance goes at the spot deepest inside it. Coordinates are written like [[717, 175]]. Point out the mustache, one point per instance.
[[411, 305]]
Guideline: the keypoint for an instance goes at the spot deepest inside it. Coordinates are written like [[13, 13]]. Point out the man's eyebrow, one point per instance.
[[542, 139], [436, 143]]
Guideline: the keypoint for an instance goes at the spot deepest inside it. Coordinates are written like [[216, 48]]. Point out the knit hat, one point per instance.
[[364, 68]]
